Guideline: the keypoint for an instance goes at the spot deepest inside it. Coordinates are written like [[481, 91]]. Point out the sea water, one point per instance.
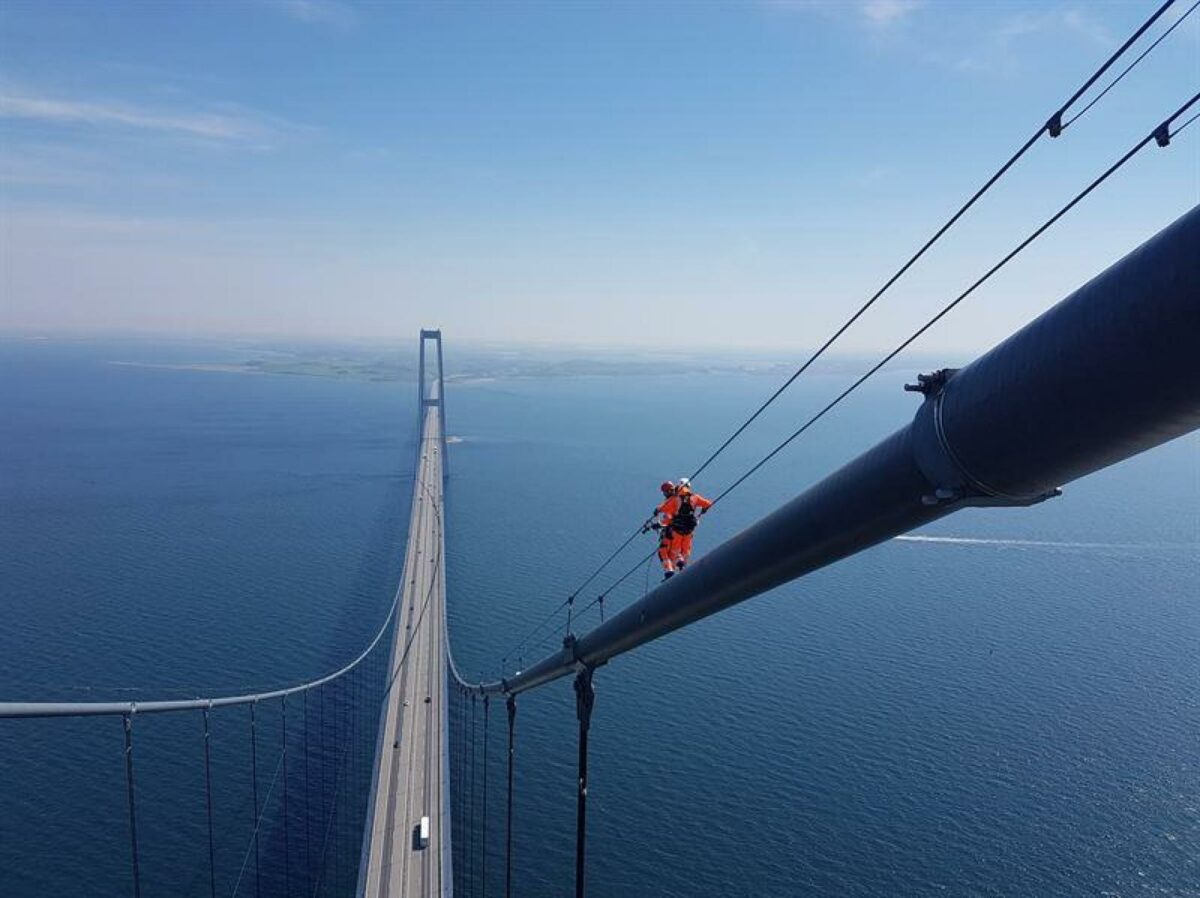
[[1006, 703]]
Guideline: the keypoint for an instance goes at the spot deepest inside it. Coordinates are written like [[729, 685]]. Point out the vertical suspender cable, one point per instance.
[[455, 783], [483, 839], [287, 822], [463, 789], [512, 718], [333, 797], [324, 776], [337, 776], [359, 743], [585, 698], [457, 780], [471, 811], [356, 683], [364, 743], [254, 792], [307, 804], [351, 744], [133, 842], [212, 854], [324, 804], [462, 786]]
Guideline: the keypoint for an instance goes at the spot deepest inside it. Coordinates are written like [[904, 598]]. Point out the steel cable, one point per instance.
[[1052, 126], [1156, 135], [1129, 68]]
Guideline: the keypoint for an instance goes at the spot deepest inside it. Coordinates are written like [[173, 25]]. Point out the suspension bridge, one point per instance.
[[407, 848], [373, 801], [373, 780]]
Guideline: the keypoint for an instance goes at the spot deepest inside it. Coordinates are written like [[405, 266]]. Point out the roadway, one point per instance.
[[411, 766]]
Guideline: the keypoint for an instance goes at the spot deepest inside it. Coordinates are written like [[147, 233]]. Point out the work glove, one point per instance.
[[656, 526]]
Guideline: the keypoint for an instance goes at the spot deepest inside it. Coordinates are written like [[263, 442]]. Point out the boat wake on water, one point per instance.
[[1035, 543]]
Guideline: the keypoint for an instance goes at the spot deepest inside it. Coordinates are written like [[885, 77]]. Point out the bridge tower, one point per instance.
[[433, 394]]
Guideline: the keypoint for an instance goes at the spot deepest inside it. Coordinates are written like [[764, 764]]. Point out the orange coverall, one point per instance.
[[681, 543], [666, 537]]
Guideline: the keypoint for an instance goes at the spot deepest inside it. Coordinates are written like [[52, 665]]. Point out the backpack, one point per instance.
[[684, 520]]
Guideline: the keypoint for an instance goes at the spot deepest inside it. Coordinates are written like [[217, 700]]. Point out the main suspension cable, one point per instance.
[[1053, 126], [1163, 134]]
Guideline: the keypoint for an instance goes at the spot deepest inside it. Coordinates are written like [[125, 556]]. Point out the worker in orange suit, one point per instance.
[[661, 522], [685, 509]]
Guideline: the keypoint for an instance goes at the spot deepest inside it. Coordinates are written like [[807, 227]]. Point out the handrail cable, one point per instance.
[[1053, 126], [1185, 124], [569, 601], [1129, 68], [1161, 134], [625, 576]]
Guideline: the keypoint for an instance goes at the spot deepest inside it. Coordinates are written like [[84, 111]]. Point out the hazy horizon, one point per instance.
[[568, 174], [778, 354]]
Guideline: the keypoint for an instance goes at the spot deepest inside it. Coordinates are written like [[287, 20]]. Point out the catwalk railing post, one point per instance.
[[512, 719], [133, 842], [585, 698]]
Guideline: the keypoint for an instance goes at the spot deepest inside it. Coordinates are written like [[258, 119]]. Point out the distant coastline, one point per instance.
[[480, 367]]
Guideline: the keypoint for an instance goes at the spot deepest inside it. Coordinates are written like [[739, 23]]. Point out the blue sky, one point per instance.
[[737, 174]]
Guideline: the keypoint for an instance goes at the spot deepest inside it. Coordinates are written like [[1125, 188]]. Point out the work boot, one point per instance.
[[667, 575], [680, 565]]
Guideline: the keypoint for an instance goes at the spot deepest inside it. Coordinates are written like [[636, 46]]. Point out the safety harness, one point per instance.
[[684, 519]]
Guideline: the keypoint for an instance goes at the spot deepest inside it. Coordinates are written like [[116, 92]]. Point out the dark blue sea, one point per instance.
[[1007, 704]]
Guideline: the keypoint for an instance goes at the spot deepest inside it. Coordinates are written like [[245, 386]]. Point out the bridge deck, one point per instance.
[[411, 767]]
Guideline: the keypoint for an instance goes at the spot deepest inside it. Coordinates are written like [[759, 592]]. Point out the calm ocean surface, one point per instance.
[[1008, 705]]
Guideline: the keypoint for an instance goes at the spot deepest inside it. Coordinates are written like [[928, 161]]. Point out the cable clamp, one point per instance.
[[1162, 134], [931, 384], [569, 642], [1054, 127], [951, 480]]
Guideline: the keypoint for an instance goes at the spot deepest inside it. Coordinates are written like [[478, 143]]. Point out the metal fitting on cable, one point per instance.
[[931, 384]]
